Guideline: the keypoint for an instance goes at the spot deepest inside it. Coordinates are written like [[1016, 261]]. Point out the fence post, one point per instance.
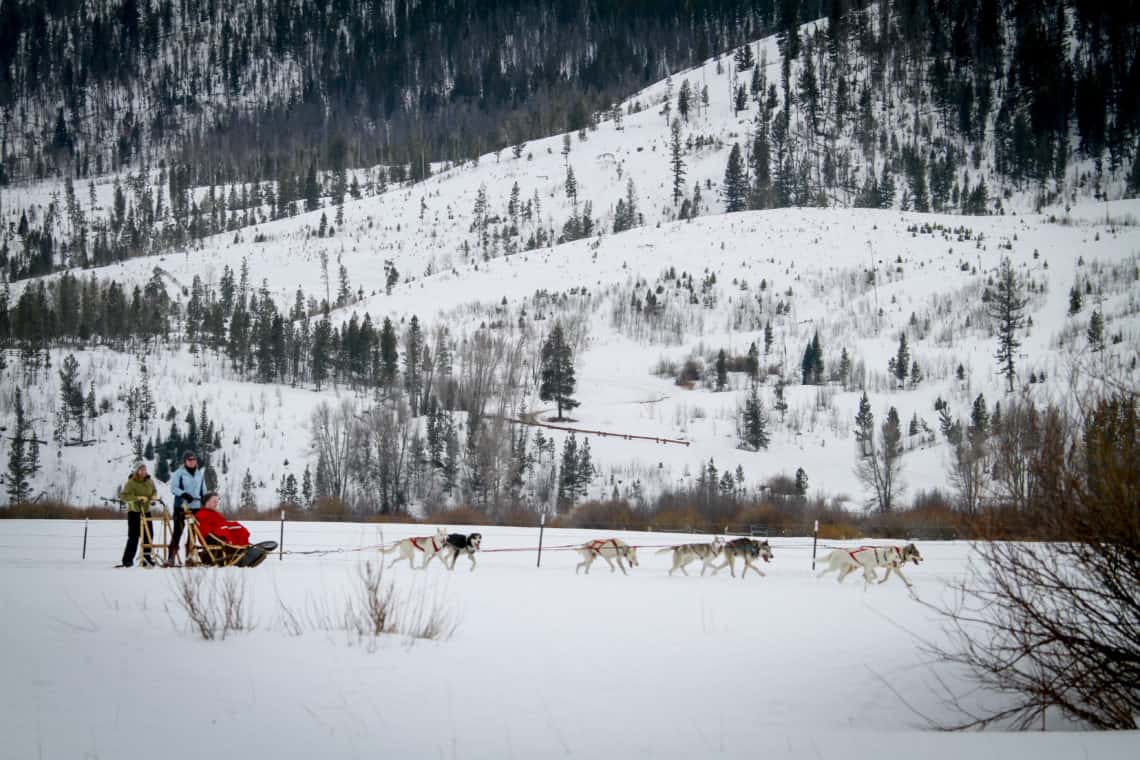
[[85, 520], [281, 544], [814, 540], [541, 529]]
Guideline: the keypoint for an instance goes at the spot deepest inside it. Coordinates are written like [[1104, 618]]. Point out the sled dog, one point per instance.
[[407, 549], [686, 553], [867, 558], [608, 549], [457, 544], [748, 550]]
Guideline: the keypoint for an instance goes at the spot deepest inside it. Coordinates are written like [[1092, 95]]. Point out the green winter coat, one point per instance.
[[138, 494]]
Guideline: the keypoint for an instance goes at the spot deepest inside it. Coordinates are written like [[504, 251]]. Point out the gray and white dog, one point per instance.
[[748, 550], [686, 553]]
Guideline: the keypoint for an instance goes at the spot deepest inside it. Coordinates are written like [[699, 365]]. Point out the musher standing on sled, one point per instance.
[[187, 486], [138, 493]]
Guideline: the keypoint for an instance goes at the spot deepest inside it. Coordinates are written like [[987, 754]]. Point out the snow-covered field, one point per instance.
[[99, 662]]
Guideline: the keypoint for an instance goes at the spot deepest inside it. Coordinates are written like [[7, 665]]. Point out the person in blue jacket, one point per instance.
[[187, 486]]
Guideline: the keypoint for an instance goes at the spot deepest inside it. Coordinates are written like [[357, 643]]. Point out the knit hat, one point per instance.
[[187, 454], [135, 467]]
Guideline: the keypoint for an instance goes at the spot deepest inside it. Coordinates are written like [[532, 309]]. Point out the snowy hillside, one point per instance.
[[453, 251]]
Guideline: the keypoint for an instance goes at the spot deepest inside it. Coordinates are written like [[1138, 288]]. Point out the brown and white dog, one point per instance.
[[748, 550], [867, 558], [686, 553], [408, 548], [608, 549]]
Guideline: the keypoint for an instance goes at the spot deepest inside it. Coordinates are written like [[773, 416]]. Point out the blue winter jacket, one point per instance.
[[193, 484]]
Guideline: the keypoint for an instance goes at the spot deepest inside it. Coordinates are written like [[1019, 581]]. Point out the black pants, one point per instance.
[[134, 528], [176, 530]]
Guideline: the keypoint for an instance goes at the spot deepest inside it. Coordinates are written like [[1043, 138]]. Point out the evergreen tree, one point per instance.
[[1096, 331], [901, 360], [753, 361], [735, 182], [864, 427], [754, 424], [801, 482], [568, 474], [844, 368], [413, 350], [557, 372], [320, 359], [307, 488], [162, 469], [585, 474], [1074, 300], [811, 368], [312, 191], [677, 161], [248, 499], [684, 99], [1007, 308], [389, 357], [768, 337], [19, 490], [721, 371]]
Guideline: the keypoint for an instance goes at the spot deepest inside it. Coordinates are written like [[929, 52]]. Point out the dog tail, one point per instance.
[[389, 549], [665, 550]]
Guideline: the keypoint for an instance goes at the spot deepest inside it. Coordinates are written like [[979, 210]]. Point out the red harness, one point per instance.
[[416, 543], [597, 544], [875, 549]]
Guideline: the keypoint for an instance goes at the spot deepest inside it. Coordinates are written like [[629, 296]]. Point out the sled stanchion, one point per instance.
[[281, 544], [85, 521], [814, 540], [541, 528]]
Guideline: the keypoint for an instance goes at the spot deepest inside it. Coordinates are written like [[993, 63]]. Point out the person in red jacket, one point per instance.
[[212, 523]]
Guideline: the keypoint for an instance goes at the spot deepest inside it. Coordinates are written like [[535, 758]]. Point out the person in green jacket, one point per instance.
[[138, 493]]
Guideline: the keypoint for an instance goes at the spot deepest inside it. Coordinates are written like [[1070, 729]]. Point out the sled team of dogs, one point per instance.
[[618, 554]]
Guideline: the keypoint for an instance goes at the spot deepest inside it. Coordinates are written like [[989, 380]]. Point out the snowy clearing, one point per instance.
[[99, 662]]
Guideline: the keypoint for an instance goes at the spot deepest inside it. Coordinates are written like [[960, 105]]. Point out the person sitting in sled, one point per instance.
[[138, 493], [230, 538], [212, 523]]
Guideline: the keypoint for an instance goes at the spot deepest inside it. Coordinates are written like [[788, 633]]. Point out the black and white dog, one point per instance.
[[457, 544]]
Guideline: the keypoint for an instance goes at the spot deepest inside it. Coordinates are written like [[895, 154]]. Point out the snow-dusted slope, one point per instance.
[[801, 269]]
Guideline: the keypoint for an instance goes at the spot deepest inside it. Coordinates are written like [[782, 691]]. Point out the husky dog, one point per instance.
[[867, 558], [608, 549], [686, 553], [457, 544], [748, 550], [429, 546]]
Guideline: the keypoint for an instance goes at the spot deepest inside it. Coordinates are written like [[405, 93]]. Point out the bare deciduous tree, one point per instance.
[[1054, 626]]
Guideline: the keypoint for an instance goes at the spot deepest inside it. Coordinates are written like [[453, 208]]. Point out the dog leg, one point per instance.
[[886, 575], [621, 565], [472, 556], [899, 573]]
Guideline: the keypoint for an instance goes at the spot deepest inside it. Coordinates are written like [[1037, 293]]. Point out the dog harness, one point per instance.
[[416, 543], [875, 549], [598, 544]]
